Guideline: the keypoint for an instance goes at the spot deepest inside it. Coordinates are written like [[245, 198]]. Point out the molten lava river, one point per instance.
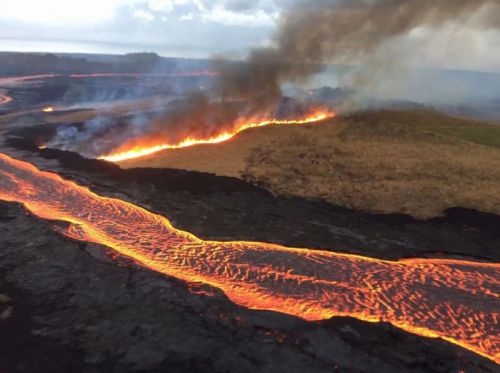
[[455, 300]]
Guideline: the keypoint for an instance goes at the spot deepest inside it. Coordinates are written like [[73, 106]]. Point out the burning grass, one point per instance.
[[387, 161], [240, 126]]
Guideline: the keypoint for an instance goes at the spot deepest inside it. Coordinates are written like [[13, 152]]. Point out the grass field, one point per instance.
[[414, 162], [487, 135], [462, 129]]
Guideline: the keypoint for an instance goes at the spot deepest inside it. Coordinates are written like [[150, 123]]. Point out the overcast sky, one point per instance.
[[200, 28]]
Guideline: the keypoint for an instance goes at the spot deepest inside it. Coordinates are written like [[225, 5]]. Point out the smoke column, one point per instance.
[[316, 32], [309, 35]]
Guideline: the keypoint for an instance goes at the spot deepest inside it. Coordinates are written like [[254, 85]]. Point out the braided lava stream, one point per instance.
[[458, 301]]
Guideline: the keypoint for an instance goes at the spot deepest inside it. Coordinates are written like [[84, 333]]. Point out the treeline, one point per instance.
[[12, 63]]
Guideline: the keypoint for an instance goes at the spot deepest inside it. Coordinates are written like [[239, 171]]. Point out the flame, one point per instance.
[[451, 299], [48, 109], [141, 151]]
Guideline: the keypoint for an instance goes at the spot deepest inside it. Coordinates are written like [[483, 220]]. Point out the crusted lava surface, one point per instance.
[[79, 307]]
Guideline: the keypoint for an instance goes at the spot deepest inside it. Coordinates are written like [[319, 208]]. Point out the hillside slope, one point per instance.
[[414, 162]]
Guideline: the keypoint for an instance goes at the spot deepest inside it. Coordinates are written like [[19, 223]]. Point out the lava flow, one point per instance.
[[12, 80], [182, 74], [458, 301], [4, 99], [240, 126]]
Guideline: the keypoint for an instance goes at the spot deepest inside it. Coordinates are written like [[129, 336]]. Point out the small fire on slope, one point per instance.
[[242, 125]]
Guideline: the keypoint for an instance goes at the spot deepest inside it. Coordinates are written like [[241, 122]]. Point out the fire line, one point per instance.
[[458, 301], [147, 149]]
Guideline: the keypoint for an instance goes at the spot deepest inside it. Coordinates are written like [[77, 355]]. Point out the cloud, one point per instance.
[[241, 5], [201, 28], [61, 12], [166, 5], [187, 17], [258, 18], [142, 14]]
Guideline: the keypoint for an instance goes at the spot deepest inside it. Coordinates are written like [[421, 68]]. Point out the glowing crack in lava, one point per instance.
[[242, 125], [455, 300]]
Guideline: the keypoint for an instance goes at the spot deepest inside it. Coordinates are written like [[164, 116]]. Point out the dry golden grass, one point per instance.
[[387, 161]]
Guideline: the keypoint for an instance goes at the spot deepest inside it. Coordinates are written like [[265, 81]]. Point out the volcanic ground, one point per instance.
[[68, 305]]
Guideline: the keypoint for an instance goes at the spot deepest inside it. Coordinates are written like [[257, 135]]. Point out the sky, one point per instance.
[[202, 28]]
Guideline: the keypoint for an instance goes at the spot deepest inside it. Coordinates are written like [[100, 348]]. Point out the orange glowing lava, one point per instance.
[[13, 80], [108, 75], [17, 80], [4, 99], [458, 301], [147, 149], [194, 73]]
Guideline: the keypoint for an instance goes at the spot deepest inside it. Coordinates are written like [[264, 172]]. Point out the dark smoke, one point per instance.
[[317, 32], [310, 35]]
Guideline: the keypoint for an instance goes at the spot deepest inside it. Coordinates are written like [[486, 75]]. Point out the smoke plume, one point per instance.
[[318, 32], [308, 36]]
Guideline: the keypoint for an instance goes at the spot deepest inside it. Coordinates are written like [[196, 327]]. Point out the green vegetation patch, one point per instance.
[[476, 133], [458, 128]]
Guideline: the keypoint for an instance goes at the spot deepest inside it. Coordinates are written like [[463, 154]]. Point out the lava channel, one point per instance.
[[458, 301]]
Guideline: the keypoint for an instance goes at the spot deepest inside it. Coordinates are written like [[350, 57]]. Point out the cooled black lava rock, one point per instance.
[[79, 307], [76, 307], [221, 207]]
